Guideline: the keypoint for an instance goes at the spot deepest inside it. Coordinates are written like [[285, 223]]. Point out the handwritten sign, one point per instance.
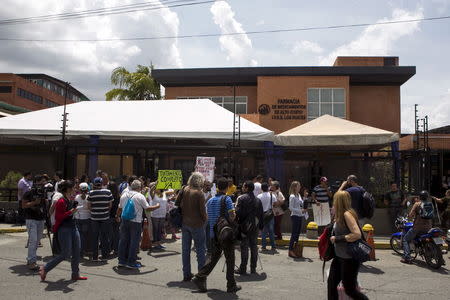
[[206, 166], [169, 179]]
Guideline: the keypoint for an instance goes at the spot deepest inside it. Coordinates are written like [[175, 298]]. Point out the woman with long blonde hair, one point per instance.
[[346, 230], [296, 206]]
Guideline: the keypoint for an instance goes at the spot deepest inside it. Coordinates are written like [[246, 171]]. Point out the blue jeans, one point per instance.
[[100, 229], [69, 241], [84, 227], [130, 236], [198, 235], [296, 228], [35, 229], [407, 238], [268, 230]]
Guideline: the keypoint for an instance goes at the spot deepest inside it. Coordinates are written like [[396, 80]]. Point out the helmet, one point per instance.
[[424, 195]]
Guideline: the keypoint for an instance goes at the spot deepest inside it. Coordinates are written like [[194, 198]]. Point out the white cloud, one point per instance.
[[378, 39], [301, 47], [237, 47], [87, 65]]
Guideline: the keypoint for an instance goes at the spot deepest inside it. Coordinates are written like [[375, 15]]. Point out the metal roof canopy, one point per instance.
[[359, 75]]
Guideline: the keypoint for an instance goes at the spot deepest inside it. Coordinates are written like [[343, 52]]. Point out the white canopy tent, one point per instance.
[[328, 131], [181, 119]]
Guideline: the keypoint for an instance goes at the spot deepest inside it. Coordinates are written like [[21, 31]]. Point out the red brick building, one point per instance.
[[361, 89], [26, 92]]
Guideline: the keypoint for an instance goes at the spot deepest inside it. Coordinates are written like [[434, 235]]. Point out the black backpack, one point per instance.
[[224, 229], [426, 210], [367, 205]]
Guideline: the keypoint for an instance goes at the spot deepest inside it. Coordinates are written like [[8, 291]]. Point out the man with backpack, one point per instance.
[[131, 206], [221, 217], [422, 212], [250, 216], [362, 202]]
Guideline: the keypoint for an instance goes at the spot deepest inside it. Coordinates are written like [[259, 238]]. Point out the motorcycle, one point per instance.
[[428, 245]]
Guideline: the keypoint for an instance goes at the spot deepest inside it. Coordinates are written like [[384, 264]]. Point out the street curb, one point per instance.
[[12, 230], [314, 243]]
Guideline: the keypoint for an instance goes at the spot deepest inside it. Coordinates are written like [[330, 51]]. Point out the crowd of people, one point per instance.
[[88, 218]]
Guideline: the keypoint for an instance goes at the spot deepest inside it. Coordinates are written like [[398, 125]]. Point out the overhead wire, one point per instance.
[[121, 9], [230, 33]]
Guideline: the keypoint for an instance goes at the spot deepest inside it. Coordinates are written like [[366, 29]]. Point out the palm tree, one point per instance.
[[139, 85]]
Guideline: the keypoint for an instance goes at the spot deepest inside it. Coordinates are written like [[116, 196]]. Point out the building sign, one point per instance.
[[288, 109], [169, 179], [206, 166]]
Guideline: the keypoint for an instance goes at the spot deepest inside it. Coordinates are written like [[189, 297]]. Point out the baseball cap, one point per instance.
[[98, 181], [323, 179], [84, 186]]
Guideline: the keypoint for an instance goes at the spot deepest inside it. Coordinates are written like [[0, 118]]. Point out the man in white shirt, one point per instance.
[[130, 230], [257, 191], [267, 200]]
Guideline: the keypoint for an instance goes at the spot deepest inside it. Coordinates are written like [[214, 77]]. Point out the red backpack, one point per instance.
[[325, 247]]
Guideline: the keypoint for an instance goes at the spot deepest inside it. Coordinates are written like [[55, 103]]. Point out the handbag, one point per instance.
[[268, 215], [359, 250], [175, 214]]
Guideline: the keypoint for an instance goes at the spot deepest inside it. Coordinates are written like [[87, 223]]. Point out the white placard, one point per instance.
[[206, 166]]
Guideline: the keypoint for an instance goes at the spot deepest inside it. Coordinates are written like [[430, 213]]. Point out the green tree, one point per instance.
[[139, 85]]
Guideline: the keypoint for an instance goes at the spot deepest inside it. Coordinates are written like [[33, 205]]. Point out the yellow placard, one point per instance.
[[169, 179]]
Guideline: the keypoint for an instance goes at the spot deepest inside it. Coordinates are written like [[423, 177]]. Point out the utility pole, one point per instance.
[[63, 132]]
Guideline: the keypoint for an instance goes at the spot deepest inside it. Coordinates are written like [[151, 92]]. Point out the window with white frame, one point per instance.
[[326, 101], [226, 102]]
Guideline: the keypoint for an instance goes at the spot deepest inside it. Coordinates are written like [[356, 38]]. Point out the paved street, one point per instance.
[[281, 278]]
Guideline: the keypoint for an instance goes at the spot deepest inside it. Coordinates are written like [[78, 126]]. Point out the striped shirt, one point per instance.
[[321, 193], [213, 207], [100, 201]]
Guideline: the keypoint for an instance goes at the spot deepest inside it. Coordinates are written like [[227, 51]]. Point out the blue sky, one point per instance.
[[88, 65]]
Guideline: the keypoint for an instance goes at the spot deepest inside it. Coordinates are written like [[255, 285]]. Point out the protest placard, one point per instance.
[[206, 166], [169, 179]]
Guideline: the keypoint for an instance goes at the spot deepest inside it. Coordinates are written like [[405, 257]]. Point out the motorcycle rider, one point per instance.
[[422, 213]]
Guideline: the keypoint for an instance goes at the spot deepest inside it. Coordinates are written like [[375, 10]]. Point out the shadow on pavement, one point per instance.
[[60, 285], [370, 269], [303, 259], [252, 277], [163, 254], [22, 270], [219, 295], [127, 272], [423, 264], [181, 285]]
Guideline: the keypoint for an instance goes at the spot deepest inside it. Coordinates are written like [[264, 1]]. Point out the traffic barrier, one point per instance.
[[312, 231], [146, 243], [368, 232]]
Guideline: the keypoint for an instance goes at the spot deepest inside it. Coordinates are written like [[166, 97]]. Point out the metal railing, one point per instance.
[[8, 194]]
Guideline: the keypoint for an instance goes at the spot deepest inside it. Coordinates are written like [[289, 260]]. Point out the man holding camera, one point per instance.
[[33, 204]]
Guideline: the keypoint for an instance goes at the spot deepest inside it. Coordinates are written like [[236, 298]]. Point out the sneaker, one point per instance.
[[200, 284], [240, 272], [135, 266], [76, 278], [95, 259], [121, 265], [33, 266], [406, 261], [42, 273], [263, 248], [188, 277], [234, 289]]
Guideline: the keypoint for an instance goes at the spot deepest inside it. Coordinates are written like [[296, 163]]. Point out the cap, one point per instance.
[[98, 181], [84, 186], [323, 179]]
